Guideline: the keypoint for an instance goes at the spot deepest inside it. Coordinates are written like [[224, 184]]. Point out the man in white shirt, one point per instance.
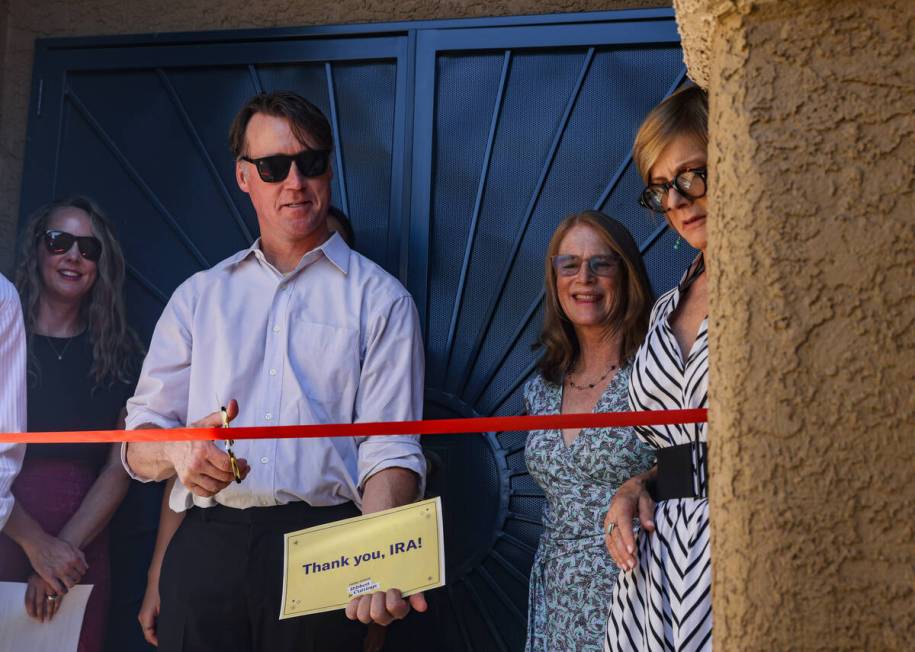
[[12, 392], [298, 329]]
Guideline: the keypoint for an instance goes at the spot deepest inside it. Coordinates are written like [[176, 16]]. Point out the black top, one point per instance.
[[63, 397]]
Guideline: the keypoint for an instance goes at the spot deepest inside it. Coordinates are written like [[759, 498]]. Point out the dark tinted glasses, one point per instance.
[[568, 264], [273, 169], [59, 243], [689, 183]]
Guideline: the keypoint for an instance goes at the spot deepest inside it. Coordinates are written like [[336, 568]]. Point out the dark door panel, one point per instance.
[[459, 147], [547, 131]]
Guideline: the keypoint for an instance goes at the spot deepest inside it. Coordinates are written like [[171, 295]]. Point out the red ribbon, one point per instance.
[[429, 427]]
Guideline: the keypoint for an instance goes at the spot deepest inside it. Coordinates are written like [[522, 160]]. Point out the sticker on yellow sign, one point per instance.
[[327, 565]]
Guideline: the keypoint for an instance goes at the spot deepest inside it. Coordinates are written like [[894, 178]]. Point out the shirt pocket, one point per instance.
[[324, 360]]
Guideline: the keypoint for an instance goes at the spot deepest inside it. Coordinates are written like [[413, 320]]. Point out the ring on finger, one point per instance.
[[51, 598], [610, 527]]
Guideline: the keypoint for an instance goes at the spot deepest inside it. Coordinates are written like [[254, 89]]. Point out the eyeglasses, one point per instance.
[[273, 169], [60, 242], [603, 265], [689, 183]]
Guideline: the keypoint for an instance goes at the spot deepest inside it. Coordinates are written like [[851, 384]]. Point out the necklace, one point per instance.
[[59, 354], [591, 385]]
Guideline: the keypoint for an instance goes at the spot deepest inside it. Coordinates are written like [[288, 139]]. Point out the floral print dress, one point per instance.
[[573, 576]]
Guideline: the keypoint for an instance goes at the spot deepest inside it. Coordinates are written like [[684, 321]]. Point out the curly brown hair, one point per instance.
[[116, 349], [632, 302]]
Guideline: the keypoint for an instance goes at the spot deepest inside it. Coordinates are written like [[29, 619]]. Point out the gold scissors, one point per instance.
[[229, 443]]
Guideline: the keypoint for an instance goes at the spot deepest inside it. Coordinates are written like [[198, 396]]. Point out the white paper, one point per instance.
[[20, 632]]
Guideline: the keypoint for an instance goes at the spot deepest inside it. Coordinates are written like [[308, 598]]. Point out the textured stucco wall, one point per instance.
[[812, 274], [22, 21]]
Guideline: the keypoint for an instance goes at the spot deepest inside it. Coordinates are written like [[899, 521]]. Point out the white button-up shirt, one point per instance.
[[336, 340], [12, 391]]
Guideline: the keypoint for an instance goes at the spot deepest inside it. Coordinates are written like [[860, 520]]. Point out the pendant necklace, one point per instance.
[[59, 354], [591, 385]]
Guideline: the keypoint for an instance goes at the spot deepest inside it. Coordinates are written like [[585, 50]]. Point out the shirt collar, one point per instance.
[[334, 249], [337, 252], [694, 271]]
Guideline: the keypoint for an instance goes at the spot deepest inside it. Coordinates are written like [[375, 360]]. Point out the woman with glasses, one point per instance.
[[595, 317], [662, 599], [82, 363]]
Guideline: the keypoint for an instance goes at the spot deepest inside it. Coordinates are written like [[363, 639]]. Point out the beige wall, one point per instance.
[[812, 263], [22, 21], [812, 257]]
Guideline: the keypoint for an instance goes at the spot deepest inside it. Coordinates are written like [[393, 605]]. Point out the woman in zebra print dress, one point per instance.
[[663, 601]]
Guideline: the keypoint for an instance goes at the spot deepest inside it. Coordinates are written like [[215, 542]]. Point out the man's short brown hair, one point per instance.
[[307, 122]]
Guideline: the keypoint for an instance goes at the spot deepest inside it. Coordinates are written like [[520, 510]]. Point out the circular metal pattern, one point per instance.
[[520, 137], [474, 503], [491, 528]]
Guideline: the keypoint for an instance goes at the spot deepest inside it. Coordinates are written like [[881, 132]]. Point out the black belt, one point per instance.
[[676, 472], [296, 515]]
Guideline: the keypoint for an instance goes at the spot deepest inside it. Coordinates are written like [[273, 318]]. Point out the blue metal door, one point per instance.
[[142, 128], [460, 146], [514, 128]]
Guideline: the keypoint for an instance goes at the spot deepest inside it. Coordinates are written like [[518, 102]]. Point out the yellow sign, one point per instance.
[[328, 565]]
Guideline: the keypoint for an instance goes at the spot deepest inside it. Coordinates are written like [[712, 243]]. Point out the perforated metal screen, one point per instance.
[[546, 131], [461, 145]]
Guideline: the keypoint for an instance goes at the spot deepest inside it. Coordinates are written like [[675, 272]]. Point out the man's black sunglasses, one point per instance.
[[273, 169], [59, 243]]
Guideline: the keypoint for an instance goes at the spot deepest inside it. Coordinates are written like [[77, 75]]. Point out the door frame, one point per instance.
[[414, 45]]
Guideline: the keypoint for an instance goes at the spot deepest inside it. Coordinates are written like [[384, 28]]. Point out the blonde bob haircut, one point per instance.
[[684, 113], [629, 312]]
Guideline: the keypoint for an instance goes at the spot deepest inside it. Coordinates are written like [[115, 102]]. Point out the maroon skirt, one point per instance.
[[51, 490]]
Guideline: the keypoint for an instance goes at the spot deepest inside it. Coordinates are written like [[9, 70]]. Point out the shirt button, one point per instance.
[[268, 416], [264, 460], [276, 329], [273, 372]]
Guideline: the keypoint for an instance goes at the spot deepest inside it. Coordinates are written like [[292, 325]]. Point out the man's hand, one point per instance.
[[390, 487], [201, 466], [384, 608], [630, 501]]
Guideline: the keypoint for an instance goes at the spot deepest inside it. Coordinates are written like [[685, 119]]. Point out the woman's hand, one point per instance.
[[41, 601], [149, 611], [630, 501], [58, 562]]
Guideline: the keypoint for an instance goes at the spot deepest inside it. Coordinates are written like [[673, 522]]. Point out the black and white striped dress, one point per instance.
[[665, 603]]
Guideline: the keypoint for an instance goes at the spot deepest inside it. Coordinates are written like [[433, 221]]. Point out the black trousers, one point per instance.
[[222, 581]]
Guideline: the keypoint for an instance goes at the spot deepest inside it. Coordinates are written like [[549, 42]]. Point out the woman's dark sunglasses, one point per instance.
[[689, 183], [273, 169], [59, 243]]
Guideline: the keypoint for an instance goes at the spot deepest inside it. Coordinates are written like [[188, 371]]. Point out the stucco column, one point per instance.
[[812, 276]]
